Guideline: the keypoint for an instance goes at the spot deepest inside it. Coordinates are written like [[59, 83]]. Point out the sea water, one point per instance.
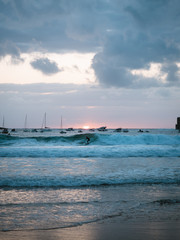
[[51, 180]]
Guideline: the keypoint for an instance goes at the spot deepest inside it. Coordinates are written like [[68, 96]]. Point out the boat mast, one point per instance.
[[3, 122], [45, 120], [25, 122], [61, 123]]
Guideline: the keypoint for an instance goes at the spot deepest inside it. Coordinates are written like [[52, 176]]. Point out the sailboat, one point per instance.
[[44, 127], [61, 123], [5, 130], [62, 132], [25, 124], [2, 124]]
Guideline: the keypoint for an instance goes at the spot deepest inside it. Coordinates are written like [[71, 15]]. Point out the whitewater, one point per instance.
[[108, 144], [53, 180]]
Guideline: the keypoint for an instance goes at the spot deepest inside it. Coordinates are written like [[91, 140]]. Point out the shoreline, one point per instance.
[[115, 228]]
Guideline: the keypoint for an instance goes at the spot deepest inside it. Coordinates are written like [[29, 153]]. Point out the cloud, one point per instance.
[[46, 66], [151, 36], [110, 106], [125, 35], [9, 48], [54, 25], [172, 71], [109, 72]]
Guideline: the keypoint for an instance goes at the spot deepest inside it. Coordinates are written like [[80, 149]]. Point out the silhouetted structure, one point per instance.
[[178, 123]]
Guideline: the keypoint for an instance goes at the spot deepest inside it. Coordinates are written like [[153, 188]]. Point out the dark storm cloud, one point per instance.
[[45, 66], [56, 25], [125, 34], [172, 73], [10, 48], [152, 35]]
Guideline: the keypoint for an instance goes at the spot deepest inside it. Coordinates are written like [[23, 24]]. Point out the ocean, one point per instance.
[[50, 180]]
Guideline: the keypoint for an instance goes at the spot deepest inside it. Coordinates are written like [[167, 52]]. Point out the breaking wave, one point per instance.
[[95, 139], [58, 182], [100, 145], [91, 151]]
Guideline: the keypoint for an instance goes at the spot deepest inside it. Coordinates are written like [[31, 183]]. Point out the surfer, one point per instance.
[[87, 140]]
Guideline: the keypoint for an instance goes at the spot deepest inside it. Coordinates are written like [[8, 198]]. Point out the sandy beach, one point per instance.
[[113, 228]]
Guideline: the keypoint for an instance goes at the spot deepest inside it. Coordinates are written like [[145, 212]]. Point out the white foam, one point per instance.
[[92, 151]]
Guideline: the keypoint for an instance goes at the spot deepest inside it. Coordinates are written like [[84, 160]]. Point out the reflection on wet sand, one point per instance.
[[110, 229]]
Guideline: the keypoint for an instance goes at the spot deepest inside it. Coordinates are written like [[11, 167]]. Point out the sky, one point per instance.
[[113, 63]]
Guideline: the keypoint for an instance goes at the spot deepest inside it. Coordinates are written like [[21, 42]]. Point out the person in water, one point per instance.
[[87, 140]]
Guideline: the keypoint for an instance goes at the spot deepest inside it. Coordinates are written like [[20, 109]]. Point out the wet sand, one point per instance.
[[114, 229]]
